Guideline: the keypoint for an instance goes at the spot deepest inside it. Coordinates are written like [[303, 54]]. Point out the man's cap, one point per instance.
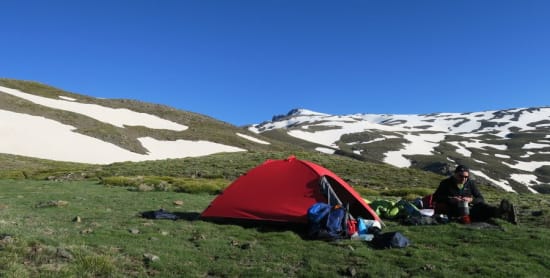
[[461, 168]]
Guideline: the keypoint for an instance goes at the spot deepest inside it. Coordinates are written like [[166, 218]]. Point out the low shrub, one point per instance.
[[158, 183]]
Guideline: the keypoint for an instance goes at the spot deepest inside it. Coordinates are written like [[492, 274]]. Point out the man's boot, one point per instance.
[[507, 211]]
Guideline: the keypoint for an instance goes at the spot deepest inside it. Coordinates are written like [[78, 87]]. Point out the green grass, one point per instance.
[[363, 175], [45, 242], [22, 167], [38, 237], [366, 176], [154, 183]]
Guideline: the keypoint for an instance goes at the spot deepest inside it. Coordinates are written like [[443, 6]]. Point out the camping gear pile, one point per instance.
[[400, 209], [297, 193]]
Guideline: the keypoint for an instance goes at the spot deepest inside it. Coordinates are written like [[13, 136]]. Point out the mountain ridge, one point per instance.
[[492, 142], [507, 148]]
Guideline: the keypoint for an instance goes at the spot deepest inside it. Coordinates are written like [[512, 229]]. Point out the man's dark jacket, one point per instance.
[[448, 188]]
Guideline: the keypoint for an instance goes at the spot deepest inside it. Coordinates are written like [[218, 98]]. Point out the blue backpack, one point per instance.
[[325, 222], [390, 240], [317, 212]]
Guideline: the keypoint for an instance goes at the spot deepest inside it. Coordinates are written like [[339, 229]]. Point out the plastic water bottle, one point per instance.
[[366, 237], [361, 227]]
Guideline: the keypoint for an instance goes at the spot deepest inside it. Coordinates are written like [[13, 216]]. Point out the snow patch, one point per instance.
[[118, 117], [527, 166], [67, 98], [502, 155], [375, 140], [460, 149], [526, 179], [419, 145], [368, 142], [182, 148], [306, 112], [52, 140], [500, 183], [527, 154], [325, 150], [529, 146], [478, 145], [253, 139]]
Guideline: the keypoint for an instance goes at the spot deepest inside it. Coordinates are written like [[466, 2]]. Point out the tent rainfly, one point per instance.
[[282, 191]]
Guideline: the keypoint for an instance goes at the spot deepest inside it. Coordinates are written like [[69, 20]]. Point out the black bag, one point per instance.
[[159, 214], [390, 240]]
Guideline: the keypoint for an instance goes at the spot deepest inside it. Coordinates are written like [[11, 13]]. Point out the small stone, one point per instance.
[[48, 231], [198, 237], [62, 253], [86, 231], [178, 203], [429, 267], [246, 246], [352, 271], [148, 257], [61, 203], [134, 231], [77, 219], [7, 239]]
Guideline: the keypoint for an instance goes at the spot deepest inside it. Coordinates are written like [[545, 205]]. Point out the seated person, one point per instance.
[[460, 188]]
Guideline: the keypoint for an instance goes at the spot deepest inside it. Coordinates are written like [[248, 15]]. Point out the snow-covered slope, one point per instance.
[[41, 136], [509, 148]]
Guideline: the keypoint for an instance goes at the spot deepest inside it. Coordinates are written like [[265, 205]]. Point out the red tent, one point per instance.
[[282, 191]]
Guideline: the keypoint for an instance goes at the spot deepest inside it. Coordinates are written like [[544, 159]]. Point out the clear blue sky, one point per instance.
[[244, 61]]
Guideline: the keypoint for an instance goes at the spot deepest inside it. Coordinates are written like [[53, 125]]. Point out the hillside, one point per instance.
[[54, 134], [45, 122], [508, 148]]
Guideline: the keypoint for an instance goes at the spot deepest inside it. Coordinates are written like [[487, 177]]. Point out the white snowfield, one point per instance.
[[117, 117], [67, 98], [253, 139], [413, 129], [52, 140], [417, 145]]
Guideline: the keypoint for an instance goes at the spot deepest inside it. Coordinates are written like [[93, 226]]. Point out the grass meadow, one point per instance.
[[89, 229], [75, 220]]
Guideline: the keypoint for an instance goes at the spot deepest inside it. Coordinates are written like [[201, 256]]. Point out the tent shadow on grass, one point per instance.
[[262, 226], [189, 216]]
